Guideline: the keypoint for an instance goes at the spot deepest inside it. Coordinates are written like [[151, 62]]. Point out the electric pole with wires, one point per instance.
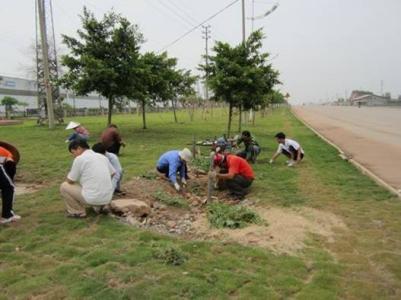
[[206, 37]]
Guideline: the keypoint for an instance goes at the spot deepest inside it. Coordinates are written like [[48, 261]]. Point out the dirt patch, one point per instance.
[[10, 122], [282, 230], [22, 188]]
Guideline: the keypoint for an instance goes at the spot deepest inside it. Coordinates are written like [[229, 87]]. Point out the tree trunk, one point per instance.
[[173, 102], [143, 114], [230, 113], [240, 118], [110, 112]]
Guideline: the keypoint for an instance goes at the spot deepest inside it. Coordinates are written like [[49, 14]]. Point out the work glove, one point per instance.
[[177, 187], [271, 161], [184, 182]]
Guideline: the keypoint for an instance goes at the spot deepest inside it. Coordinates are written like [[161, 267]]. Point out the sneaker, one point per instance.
[[13, 218]]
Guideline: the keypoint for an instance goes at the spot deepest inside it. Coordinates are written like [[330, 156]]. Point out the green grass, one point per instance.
[[49, 256], [176, 201]]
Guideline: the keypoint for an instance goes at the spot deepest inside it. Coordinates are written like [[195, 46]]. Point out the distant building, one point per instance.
[[25, 90], [366, 98]]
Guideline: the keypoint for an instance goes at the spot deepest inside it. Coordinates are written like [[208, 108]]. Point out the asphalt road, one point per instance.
[[371, 135]]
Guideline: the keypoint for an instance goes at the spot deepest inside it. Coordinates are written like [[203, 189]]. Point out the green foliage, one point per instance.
[[201, 163], [176, 201], [9, 102], [103, 57], [240, 75], [222, 215], [170, 255]]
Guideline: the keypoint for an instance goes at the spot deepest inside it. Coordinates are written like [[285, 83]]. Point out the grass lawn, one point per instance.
[[48, 256]]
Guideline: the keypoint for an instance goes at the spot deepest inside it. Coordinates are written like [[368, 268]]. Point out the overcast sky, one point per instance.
[[322, 48]]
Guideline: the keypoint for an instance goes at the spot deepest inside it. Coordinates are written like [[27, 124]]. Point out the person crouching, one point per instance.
[[89, 181], [288, 147], [233, 173], [173, 162], [115, 162]]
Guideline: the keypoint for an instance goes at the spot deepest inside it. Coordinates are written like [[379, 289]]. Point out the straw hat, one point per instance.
[[72, 125]]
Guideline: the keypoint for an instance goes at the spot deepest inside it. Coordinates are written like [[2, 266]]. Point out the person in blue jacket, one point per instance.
[[173, 162]]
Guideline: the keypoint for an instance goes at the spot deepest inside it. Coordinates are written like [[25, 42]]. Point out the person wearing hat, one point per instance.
[[9, 157], [80, 132], [233, 173], [252, 148], [173, 162], [290, 148]]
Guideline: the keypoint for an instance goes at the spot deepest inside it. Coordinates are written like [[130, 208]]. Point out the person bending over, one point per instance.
[[173, 162], [252, 148], [89, 181], [233, 173], [111, 139], [289, 148], [7, 187], [80, 132], [115, 162]]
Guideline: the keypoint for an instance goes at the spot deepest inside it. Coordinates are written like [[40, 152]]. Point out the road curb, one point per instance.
[[342, 154]]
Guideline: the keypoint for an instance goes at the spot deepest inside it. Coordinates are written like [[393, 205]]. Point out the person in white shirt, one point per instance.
[[115, 162], [89, 181], [290, 148]]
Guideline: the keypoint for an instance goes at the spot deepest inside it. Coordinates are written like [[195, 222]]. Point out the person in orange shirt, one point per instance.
[[7, 187], [234, 173]]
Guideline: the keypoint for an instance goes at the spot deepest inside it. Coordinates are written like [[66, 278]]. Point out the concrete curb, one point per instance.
[[342, 154]]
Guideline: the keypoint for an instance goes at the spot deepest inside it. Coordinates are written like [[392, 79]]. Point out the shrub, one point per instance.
[[222, 215]]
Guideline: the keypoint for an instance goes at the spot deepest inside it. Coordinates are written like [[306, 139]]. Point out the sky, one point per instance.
[[323, 49]]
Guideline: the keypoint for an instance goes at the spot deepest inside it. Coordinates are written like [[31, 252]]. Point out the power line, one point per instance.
[[197, 26], [184, 13], [190, 23]]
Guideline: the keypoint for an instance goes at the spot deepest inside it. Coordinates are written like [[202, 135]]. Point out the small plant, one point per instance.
[[149, 175], [201, 163], [176, 201], [170, 255], [222, 215]]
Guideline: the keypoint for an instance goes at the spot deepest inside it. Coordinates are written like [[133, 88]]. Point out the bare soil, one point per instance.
[[282, 230]]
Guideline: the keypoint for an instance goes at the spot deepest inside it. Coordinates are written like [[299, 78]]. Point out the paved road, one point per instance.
[[371, 135]]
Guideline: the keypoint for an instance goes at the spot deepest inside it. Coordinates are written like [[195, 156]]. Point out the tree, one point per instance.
[[181, 85], [9, 103], [240, 75], [103, 58]]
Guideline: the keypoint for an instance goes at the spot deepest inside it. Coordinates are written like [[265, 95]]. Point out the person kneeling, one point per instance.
[[289, 148], [89, 181], [235, 174]]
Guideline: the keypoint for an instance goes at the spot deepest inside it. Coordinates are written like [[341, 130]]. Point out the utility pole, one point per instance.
[[206, 36], [45, 57], [243, 42]]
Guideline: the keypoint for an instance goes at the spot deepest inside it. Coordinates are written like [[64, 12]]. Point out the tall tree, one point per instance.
[[103, 58], [240, 75], [181, 85]]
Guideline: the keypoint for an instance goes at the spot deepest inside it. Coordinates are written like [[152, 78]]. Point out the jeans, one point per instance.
[[250, 153], [77, 136]]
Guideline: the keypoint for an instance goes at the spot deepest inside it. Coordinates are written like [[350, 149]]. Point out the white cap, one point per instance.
[[72, 125], [185, 154]]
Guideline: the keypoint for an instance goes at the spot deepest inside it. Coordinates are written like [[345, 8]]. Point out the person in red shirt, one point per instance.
[[8, 163], [234, 173]]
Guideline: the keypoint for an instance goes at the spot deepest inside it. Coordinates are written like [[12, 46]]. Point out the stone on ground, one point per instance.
[[135, 207]]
